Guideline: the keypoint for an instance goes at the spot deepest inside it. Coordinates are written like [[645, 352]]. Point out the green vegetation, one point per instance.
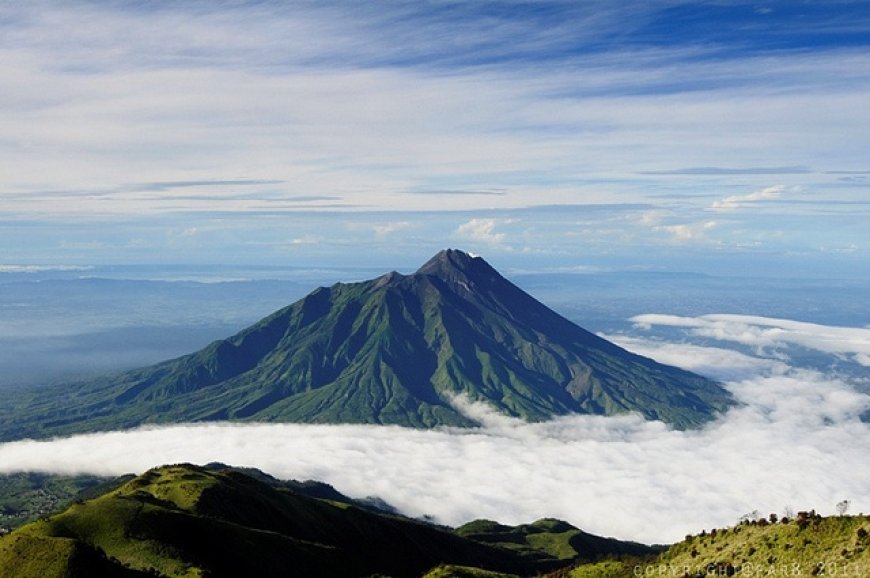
[[605, 569], [808, 545], [218, 521], [448, 571], [549, 542], [26, 496], [24, 555], [188, 521], [394, 350]]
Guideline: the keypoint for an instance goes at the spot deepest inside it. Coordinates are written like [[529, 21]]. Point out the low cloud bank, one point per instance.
[[796, 441], [766, 333]]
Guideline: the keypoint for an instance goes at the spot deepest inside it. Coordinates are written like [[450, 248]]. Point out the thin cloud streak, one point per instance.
[[718, 171], [738, 201], [457, 192], [795, 440]]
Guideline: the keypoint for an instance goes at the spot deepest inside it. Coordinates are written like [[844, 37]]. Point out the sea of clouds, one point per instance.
[[795, 441]]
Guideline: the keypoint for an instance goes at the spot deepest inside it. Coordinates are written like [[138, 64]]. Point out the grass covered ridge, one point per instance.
[[550, 541], [806, 546], [188, 521], [217, 521]]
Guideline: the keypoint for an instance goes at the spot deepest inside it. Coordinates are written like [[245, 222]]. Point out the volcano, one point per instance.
[[398, 349]]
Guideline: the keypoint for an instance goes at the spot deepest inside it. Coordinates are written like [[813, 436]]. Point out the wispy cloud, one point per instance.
[[738, 201], [42, 268], [719, 171], [458, 193], [619, 476], [685, 231], [167, 185], [384, 229], [246, 107]]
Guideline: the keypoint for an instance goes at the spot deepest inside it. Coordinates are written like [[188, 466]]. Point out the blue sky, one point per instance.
[[723, 137]]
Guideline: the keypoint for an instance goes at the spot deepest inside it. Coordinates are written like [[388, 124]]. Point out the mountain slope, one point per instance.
[[393, 350], [186, 520]]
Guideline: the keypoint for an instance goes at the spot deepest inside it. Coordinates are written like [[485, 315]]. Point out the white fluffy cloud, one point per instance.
[[481, 231], [796, 441]]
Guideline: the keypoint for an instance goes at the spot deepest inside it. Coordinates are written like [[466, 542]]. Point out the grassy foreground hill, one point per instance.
[[216, 521], [393, 350], [808, 545], [190, 521]]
